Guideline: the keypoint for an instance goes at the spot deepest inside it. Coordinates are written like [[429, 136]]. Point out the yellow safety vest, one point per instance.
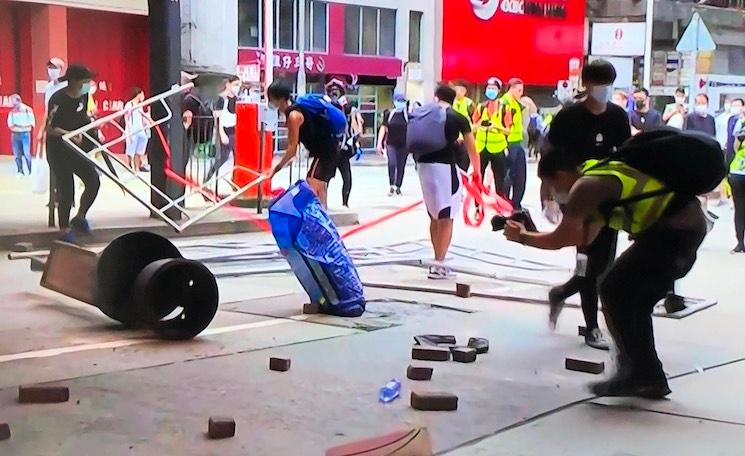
[[634, 217], [516, 131], [463, 106], [488, 138], [738, 163]]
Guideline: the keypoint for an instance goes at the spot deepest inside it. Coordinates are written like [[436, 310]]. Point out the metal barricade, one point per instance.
[[197, 183]]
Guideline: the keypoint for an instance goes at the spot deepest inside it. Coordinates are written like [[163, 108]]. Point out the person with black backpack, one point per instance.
[[319, 125], [648, 189]]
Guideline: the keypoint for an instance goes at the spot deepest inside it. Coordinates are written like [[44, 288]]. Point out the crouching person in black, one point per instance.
[[667, 230]]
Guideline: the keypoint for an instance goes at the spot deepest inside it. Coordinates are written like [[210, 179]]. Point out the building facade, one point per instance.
[[110, 36]]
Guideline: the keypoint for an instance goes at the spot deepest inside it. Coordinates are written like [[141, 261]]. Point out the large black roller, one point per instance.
[[118, 268], [176, 298]]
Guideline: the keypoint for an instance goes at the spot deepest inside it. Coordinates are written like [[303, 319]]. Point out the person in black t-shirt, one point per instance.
[[336, 95], [590, 129], [643, 117], [68, 112], [392, 142], [315, 134], [438, 175], [226, 122]]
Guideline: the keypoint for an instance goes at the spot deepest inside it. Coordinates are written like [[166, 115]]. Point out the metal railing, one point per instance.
[[205, 188]]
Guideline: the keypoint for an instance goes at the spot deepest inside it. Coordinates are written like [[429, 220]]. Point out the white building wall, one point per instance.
[[431, 48], [209, 34]]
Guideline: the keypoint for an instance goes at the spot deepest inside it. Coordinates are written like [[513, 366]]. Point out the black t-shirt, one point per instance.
[[585, 135], [203, 122], [66, 113], [645, 120], [315, 134], [455, 125], [396, 126]]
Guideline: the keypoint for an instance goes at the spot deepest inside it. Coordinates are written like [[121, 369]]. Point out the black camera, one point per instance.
[[498, 222]]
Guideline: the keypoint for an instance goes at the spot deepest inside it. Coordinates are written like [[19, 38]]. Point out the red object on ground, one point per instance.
[[246, 155], [485, 198]]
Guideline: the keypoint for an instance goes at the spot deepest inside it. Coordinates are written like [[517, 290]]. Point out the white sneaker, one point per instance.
[[440, 273], [391, 191]]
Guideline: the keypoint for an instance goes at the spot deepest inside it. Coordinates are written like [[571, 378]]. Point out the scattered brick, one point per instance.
[[425, 353], [480, 344], [43, 394], [589, 367], [22, 247], [221, 427], [38, 264], [419, 373], [463, 290], [311, 308], [430, 401], [581, 331], [463, 354], [279, 364], [4, 431]]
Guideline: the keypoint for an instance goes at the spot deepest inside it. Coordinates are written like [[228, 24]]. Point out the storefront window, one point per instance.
[[285, 21], [249, 23], [415, 36], [316, 18], [369, 31]]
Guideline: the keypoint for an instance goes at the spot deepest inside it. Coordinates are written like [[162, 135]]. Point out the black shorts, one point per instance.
[[323, 169]]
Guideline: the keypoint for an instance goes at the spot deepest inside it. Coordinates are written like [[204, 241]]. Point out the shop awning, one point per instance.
[[117, 6]]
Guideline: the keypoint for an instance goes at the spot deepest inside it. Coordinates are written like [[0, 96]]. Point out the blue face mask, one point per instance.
[[491, 94], [399, 105], [86, 88]]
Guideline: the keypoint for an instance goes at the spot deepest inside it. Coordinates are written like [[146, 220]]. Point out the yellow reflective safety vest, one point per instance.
[[488, 137], [516, 131], [738, 163], [636, 216], [463, 107]]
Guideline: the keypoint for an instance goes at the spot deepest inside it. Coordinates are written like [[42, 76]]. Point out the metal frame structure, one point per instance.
[[88, 132]]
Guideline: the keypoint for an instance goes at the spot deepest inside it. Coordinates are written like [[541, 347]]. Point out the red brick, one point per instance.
[[463, 354], [430, 353], [480, 344], [221, 427], [589, 367], [463, 290], [279, 364], [4, 431], [430, 401], [581, 331], [43, 394], [311, 308], [419, 373]]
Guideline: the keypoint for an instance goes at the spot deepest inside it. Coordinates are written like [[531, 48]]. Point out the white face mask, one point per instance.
[[235, 90], [54, 73], [680, 100], [735, 110], [701, 109], [602, 94]]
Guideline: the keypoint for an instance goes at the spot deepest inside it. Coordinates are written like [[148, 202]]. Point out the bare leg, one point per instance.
[[433, 231], [320, 189], [444, 235]]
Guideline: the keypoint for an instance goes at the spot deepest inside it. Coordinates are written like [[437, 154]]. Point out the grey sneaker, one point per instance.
[[595, 339], [440, 273]]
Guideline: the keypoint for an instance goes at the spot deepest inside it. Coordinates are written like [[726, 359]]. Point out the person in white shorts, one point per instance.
[[441, 188], [136, 127]]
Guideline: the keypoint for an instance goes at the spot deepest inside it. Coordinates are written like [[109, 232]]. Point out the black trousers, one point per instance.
[[397, 157], [737, 182], [498, 164], [65, 163], [345, 169], [599, 254], [226, 151], [639, 279], [517, 171]]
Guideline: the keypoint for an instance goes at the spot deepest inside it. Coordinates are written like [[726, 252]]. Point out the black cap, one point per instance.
[[599, 72], [77, 72]]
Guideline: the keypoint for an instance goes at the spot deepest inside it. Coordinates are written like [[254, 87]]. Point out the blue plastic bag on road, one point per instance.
[[308, 239]]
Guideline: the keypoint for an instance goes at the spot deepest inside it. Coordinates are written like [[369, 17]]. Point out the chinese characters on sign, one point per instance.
[[291, 61]]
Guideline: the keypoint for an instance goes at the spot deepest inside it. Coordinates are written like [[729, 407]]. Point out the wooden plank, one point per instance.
[[71, 270]]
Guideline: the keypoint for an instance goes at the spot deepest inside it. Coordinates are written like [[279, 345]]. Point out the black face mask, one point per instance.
[[641, 104]]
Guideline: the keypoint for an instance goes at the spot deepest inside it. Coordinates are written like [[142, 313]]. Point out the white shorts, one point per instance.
[[136, 145], [440, 189]]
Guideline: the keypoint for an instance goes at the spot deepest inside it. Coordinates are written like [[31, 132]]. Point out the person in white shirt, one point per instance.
[[21, 122], [136, 127], [226, 122], [55, 68], [675, 113]]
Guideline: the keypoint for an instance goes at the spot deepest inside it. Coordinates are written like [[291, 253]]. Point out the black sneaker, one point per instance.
[[630, 387], [739, 248], [398, 191], [595, 339]]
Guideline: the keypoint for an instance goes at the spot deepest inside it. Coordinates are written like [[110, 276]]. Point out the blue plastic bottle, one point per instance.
[[390, 391]]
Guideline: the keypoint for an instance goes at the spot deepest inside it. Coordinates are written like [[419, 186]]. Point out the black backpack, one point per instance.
[[688, 163]]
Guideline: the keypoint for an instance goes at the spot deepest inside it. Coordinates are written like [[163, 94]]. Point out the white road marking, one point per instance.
[[50, 352]]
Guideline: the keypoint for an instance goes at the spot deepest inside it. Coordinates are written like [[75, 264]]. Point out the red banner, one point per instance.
[[529, 39], [318, 63]]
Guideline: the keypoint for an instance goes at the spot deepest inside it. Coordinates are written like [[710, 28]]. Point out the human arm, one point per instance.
[[220, 106], [470, 144], [587, 195], [382, 132], [294, 122]]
